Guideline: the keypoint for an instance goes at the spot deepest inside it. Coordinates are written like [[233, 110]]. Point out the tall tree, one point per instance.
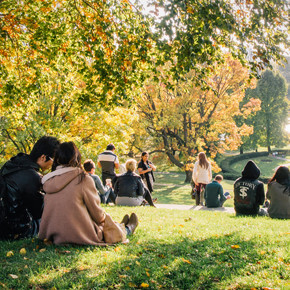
[[188, 119], [269, 123], [194, 32]]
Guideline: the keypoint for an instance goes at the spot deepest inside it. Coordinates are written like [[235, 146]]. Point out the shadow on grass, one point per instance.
[[183, 264], [172, 194]]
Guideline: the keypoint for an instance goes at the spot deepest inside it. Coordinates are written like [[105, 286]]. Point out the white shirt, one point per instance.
[[201, 174]]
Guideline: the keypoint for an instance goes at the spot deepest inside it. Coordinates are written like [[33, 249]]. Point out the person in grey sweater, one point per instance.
[[279, 194], [106, 192]]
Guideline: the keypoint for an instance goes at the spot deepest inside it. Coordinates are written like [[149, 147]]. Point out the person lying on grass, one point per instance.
[[72, 212]]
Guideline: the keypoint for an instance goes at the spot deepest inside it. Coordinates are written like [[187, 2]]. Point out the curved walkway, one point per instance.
[[194, 207]]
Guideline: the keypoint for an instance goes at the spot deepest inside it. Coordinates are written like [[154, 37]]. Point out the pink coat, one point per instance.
[[72, 212]]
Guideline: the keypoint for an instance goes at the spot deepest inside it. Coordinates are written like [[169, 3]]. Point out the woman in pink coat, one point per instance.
[[72, 211]]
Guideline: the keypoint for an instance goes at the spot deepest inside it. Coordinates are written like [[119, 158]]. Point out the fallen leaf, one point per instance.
[[117, 249], [185, 261], [13, 276], [165, 267], [22, 251], [137, 263], [144, 285], [132, 285], [127, 268], [9, 254], [148, 275], [42, 250], [263, 252], [235, 246]]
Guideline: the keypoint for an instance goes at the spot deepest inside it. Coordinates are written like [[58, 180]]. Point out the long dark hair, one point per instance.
[[143, 154], [68, 155], [203, 162], [282, 176]]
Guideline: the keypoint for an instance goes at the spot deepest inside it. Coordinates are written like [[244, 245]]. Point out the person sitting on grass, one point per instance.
[[72, 212], [279, 194], [129, 187], [214, 194], [249, 192], [106, 192]]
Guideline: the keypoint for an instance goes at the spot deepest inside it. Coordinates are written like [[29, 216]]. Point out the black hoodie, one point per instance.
[[249, 192], [24, 196]]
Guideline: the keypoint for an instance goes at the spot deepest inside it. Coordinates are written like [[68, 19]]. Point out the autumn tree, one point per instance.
[[194, 32], [187, 119], [269, 123]]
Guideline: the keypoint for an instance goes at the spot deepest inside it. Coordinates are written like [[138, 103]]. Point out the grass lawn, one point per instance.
[[170, 188], [171, 249], [267, 164]]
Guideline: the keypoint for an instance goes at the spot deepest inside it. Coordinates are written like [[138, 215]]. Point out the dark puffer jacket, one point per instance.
[[249, 192], [128, 184], [24, 197]]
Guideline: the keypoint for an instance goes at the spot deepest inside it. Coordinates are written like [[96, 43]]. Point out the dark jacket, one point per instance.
[[249, 192], [214, 194], [146, 166], [23, 197], [128, 184]]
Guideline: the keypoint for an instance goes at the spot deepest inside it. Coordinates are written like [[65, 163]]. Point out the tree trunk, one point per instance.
[[242, 150], [188, 177], [185, 129]]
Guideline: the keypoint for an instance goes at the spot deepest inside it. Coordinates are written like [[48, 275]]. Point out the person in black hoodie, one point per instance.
[[24, 196], [249, 191]]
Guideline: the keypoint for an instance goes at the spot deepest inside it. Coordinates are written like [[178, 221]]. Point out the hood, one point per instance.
[[251, 170], [57, 180], [20, 161]]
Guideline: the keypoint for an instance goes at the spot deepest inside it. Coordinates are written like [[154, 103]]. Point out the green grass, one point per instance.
[[267, 164], [170, 188], [171, 249]]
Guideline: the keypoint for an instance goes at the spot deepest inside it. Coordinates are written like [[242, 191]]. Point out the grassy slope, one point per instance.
[[171, 249]]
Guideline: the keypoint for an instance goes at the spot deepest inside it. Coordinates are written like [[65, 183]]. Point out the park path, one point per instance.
[[194, 207]]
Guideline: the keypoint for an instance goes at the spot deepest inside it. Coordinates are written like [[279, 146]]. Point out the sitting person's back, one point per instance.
[[24, 197], [72, 211], [279, 194], [249, 191], [214, 193], [106, 192], [128, 187]]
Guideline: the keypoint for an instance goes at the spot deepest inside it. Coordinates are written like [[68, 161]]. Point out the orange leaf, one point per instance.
[[235, 246], [186, 261], [144, 285]]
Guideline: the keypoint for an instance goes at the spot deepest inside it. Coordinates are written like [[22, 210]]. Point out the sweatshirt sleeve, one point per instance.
[[209, 173], [194, 174], [260, 194], [92, 201]]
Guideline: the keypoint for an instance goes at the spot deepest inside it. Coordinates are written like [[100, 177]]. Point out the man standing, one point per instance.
[[23, 196], [108, 161], [214, 193], [249, 191], [106, 192]]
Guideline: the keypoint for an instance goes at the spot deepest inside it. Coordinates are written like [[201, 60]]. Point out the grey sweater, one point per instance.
[[279, 201]]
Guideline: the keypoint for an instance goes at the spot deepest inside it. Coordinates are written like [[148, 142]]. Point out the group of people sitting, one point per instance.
[[64, 206], [249, 192]]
